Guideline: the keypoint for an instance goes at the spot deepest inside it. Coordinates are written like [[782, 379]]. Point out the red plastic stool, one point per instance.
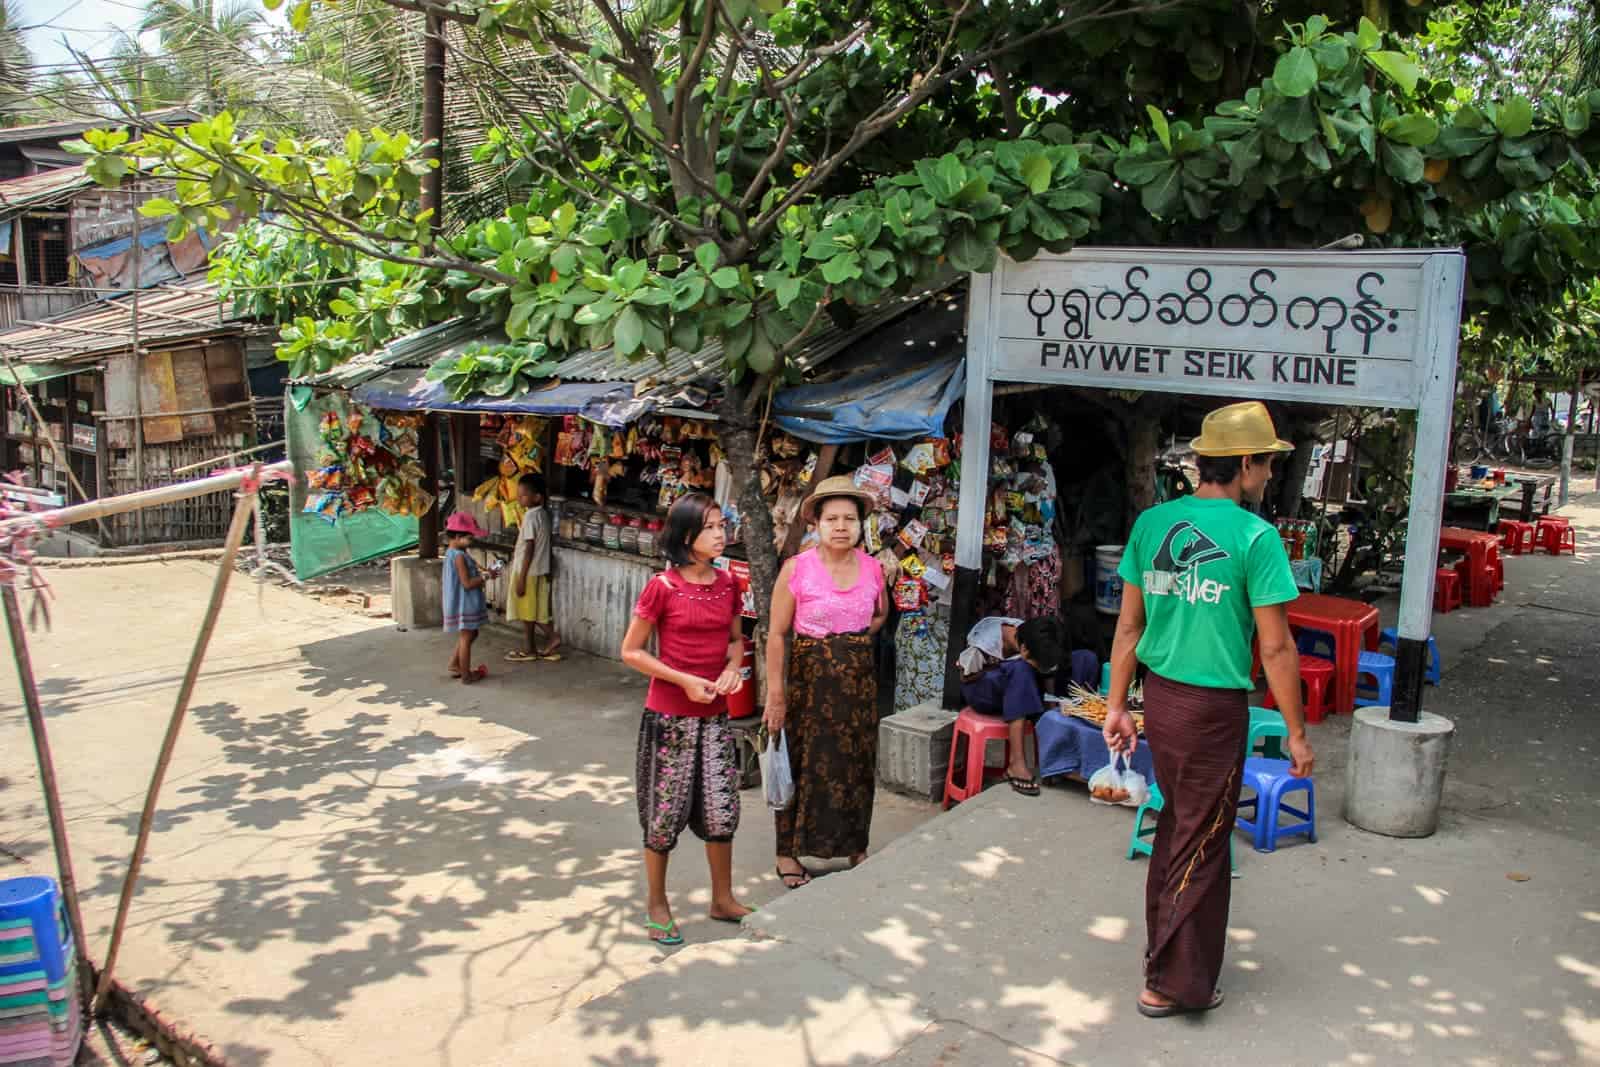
[[1517, 537], [1316, 679], [978, 730], [1555, 535], [1446, 590]]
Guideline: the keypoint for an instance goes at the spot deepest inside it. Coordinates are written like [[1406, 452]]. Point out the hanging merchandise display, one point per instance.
[[521, 441], [367, 460]]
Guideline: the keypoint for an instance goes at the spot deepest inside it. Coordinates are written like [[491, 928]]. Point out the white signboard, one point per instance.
[[1318, 327]]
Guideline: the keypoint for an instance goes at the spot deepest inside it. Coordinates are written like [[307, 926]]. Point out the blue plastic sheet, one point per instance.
[[406, 389], [901, 397]]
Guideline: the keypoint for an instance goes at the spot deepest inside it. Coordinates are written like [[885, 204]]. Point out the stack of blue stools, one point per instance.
[[41, 1021]]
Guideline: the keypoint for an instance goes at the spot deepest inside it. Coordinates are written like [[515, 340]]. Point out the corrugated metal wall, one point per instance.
[[594, 597]]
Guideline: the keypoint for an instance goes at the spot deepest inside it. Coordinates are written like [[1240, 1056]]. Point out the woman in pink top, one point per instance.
[[832, 599]]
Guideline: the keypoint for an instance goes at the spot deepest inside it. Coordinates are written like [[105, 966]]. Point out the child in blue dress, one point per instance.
[[466, 608]]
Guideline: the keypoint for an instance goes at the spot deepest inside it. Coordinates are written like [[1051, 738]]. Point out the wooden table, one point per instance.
[[1354, 627], [1482, 551], [1491, 503]]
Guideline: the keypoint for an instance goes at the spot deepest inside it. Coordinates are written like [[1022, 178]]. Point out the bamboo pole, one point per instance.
[[164, 494], [47, 781], [243, 508]]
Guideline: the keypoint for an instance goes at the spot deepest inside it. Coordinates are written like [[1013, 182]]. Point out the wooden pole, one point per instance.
[[164, 494], [138, 370], [47, 780], [243, 508]]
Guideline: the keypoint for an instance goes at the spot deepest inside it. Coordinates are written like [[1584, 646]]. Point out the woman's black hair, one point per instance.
[[1222, 470], [685, 520], [861, 511], [1041, 639]]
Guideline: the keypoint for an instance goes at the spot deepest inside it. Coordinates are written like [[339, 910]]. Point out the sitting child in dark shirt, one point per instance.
[[1014, 690]]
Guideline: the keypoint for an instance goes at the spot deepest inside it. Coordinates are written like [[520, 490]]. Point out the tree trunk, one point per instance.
[[1144, 444], [1294, 474], [738, 436]]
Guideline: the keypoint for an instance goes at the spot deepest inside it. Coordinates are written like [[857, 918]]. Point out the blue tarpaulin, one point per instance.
[[406, 389], [903, 396]]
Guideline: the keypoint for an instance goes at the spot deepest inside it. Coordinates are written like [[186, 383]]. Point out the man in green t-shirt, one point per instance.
[[1202, 577]]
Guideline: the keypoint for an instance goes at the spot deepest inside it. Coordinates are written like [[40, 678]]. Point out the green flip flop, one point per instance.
[[669, 933]]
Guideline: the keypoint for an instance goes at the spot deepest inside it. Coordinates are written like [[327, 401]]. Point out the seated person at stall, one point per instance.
[[1014, 688]]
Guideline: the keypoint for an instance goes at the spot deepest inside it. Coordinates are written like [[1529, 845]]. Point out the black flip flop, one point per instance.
[[784, 876], [1028, 787], [1152, 1011]]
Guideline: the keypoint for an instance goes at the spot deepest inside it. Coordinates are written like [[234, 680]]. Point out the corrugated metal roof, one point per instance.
[[167, 313], [44, 131], [19, 194], [425, 347]]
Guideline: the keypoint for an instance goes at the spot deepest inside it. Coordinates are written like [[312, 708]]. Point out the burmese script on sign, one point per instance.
[[1346, 327]]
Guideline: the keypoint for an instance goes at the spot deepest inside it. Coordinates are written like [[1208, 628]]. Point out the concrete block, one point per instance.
[[914, 750], [416, 587], [1394, 781]]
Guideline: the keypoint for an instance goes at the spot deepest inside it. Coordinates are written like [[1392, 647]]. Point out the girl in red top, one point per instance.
[[688, 771]]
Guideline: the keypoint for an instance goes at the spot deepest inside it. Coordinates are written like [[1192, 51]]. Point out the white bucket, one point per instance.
[[1107, 582]]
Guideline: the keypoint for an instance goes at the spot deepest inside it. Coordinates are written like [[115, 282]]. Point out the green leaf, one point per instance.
[[1205, 60], [341, 307], [1403, 163], [1399, 67], [629, 332], [707, 255], [1160, 197], [1576, 115], [725, 277], [969, 252], [1514, 118], [1296, 72], [300, 16], [157, 207], [631, 275], [1368, 36], [1159, 121], [842, 268], [1414, 129], [1036, 170], [787, 290]]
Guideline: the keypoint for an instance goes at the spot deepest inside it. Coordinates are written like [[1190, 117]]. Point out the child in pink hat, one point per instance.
[[466, 608]]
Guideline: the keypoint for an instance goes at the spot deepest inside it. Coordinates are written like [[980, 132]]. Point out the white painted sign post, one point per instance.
[[1371, 329]]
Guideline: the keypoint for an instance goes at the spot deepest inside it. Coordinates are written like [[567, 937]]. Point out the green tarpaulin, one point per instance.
[[316, 545]]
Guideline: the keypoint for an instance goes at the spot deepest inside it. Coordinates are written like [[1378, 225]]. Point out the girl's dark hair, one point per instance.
[[1222, 470], [685, 520], [533, 482], [861, 511], [1041, 639]]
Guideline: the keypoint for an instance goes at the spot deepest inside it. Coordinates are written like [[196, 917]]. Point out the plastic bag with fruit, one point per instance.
[[1126, 786]]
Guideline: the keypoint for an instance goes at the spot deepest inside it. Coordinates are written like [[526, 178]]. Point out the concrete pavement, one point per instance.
[[1010, 930]]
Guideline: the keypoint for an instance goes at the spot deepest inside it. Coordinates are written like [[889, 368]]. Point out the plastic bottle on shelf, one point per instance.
[[611, 536]]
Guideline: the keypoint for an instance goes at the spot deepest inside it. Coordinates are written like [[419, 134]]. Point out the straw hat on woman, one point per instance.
[[827, 605]]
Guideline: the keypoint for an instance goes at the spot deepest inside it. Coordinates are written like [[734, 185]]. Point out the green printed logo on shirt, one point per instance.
[[1203, 565]]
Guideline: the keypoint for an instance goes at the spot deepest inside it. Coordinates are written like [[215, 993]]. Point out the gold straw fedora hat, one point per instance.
[[838, 485], [1239, 430]]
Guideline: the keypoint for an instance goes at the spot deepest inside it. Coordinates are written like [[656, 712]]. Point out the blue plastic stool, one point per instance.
[[1316, 643], [1105, 678], [1139, 842], [1381, 669], [33, 934], [1266, 727], [1271, 780], [1391, 637]]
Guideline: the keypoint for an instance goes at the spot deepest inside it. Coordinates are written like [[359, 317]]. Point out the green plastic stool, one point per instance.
[[1266, 727], [1139, 842]]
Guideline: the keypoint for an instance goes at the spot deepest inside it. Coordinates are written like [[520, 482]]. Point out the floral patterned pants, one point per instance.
[[688, 776]]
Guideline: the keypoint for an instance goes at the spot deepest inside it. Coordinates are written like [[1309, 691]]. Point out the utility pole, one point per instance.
[[138, 360], [432, 200]]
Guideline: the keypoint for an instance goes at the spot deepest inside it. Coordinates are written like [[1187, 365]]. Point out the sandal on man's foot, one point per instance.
[[803, 877], [666, 935], [1028, 787], [1167, 1011]]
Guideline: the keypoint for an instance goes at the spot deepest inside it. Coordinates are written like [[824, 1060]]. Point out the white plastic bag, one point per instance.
[[1110, 785], [776, 783]]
